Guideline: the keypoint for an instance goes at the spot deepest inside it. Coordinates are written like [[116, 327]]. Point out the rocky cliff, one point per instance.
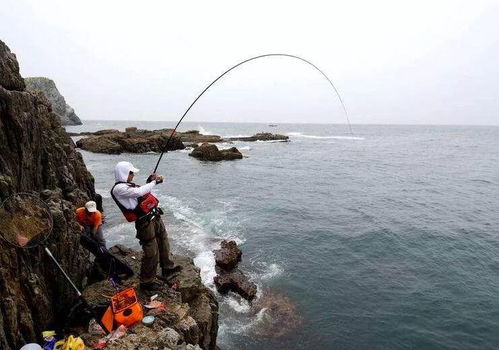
[[59, 105], [36, 155]]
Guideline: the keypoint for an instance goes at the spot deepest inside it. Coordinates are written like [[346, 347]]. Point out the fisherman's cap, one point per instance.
[[91, 206], [132, 168]]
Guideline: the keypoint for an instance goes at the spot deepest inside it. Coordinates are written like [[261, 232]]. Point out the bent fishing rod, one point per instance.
[[165, 149]]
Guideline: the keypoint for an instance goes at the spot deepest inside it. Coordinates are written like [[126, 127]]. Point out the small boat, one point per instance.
[[272, 125]]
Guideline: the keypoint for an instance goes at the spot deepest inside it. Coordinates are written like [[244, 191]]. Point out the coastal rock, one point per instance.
[[262, 136], [10, 78], [228, 256], [279, 315], [211, 152], [145, 338], [37, 156], [191, 309], [133, 140], [59, 106], [236, 282], [193, 136]]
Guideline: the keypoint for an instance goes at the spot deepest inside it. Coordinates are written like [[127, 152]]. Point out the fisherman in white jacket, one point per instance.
[[139, 205]]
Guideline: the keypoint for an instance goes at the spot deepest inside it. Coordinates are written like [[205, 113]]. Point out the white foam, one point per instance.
[[272, 271], [238, 304], [229, 136], [245, 148], [336, 137], [206, 263], [203, 131]]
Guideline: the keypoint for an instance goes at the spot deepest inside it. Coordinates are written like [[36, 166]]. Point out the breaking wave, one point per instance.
[[336, 137], [204, 131]]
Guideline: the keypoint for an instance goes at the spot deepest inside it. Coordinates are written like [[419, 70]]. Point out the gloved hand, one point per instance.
[[151, 177]]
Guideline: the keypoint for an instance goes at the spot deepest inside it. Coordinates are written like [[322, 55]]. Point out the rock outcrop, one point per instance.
[[133, 140], [190, 314], [228, 256], [235, 281], [36, 155], [208, 151], [59, 106], [261, 136], [229, 278]]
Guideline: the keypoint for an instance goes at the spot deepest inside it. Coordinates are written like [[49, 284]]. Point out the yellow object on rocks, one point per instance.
[[47, 334], [71, 343]]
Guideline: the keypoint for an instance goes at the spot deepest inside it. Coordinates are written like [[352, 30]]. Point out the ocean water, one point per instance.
[[387, 239]]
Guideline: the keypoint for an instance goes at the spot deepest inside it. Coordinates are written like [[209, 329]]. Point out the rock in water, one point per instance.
[[208, 151], [59, 105], [262, 136], [36, 155], [278, 315], [228, 256], [133, 140], [236, 282]]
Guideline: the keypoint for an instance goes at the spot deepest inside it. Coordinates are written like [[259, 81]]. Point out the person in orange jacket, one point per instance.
[[90, 220]]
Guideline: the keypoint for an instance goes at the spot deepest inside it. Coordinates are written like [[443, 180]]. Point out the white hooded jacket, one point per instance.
[[124, 193]]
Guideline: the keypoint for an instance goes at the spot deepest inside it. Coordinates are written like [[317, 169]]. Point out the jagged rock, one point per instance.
[[211, 152], [59, 106], [228, 256], [189, 329], [236, 282], [36, 155], [10, 78], [262, 136]]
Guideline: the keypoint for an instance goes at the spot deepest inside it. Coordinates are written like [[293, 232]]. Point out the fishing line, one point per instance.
[[165, 149]]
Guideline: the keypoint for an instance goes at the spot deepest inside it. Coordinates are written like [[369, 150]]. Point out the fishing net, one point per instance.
[[25, 220]]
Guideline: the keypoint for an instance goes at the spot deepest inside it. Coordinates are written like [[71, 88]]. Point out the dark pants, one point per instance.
[[99, 236], [154, 241]]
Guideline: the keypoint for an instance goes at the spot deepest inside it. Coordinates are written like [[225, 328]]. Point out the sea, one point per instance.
[[387, 238]]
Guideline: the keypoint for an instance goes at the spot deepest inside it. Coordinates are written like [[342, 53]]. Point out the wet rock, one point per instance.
[[228, 256], [278, 315], [211, 152], [59, 105], [236, 282]]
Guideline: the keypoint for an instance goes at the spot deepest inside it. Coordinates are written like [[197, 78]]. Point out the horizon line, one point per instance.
[[284, 123]]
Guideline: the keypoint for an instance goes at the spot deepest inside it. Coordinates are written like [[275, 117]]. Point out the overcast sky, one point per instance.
[[404, 62]]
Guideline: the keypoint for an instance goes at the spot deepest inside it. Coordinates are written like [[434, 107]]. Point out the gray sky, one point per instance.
[[408, 62]]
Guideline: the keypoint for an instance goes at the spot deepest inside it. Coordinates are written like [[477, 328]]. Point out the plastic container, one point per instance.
[[148, 320]]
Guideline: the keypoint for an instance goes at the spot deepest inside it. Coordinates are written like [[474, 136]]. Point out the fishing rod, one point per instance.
[[165, 149]]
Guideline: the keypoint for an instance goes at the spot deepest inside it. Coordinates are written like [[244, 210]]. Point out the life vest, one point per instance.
[[146, 204]]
